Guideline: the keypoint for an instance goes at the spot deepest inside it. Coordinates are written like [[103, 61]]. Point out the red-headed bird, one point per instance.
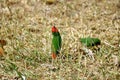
[[56, 42]]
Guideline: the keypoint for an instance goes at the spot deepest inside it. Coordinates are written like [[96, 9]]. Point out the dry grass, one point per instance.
[[26, 26]]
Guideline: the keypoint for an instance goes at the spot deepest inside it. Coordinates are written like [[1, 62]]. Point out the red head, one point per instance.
[[54, 29]]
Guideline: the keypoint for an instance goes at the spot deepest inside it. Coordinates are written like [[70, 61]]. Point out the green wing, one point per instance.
[[56, 44]]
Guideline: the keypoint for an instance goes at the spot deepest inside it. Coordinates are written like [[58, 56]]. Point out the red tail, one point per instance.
[[54, 56]]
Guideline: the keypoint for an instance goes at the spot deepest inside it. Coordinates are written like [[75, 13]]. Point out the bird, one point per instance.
[[56, 42]]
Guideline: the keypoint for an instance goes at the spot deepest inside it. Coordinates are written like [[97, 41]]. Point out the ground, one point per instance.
[[26, 27]]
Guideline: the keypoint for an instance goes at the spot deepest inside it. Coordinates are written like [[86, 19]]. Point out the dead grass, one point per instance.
[[26, 26]]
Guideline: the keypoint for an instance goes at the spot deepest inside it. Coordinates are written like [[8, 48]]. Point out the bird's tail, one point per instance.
[[54, 56]]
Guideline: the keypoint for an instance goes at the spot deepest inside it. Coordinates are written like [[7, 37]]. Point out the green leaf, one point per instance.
[[90, 41]]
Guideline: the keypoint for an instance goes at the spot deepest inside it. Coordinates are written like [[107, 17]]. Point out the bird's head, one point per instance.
[[55, 31]]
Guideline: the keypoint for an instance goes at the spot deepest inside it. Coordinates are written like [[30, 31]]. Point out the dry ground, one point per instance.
[[26, 26]]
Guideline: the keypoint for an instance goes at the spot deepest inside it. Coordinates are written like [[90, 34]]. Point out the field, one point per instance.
[[26, 27]]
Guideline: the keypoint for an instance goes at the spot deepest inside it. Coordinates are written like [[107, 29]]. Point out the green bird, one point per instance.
[[56, 42]]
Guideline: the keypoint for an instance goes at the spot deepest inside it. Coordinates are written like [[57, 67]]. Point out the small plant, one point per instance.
[[90, 41], [13, 67]]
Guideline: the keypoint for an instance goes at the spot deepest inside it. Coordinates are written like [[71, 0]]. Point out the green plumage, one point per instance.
[[56, 42]]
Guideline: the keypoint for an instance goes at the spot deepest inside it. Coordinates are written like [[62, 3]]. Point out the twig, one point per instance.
[[108, 44]]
